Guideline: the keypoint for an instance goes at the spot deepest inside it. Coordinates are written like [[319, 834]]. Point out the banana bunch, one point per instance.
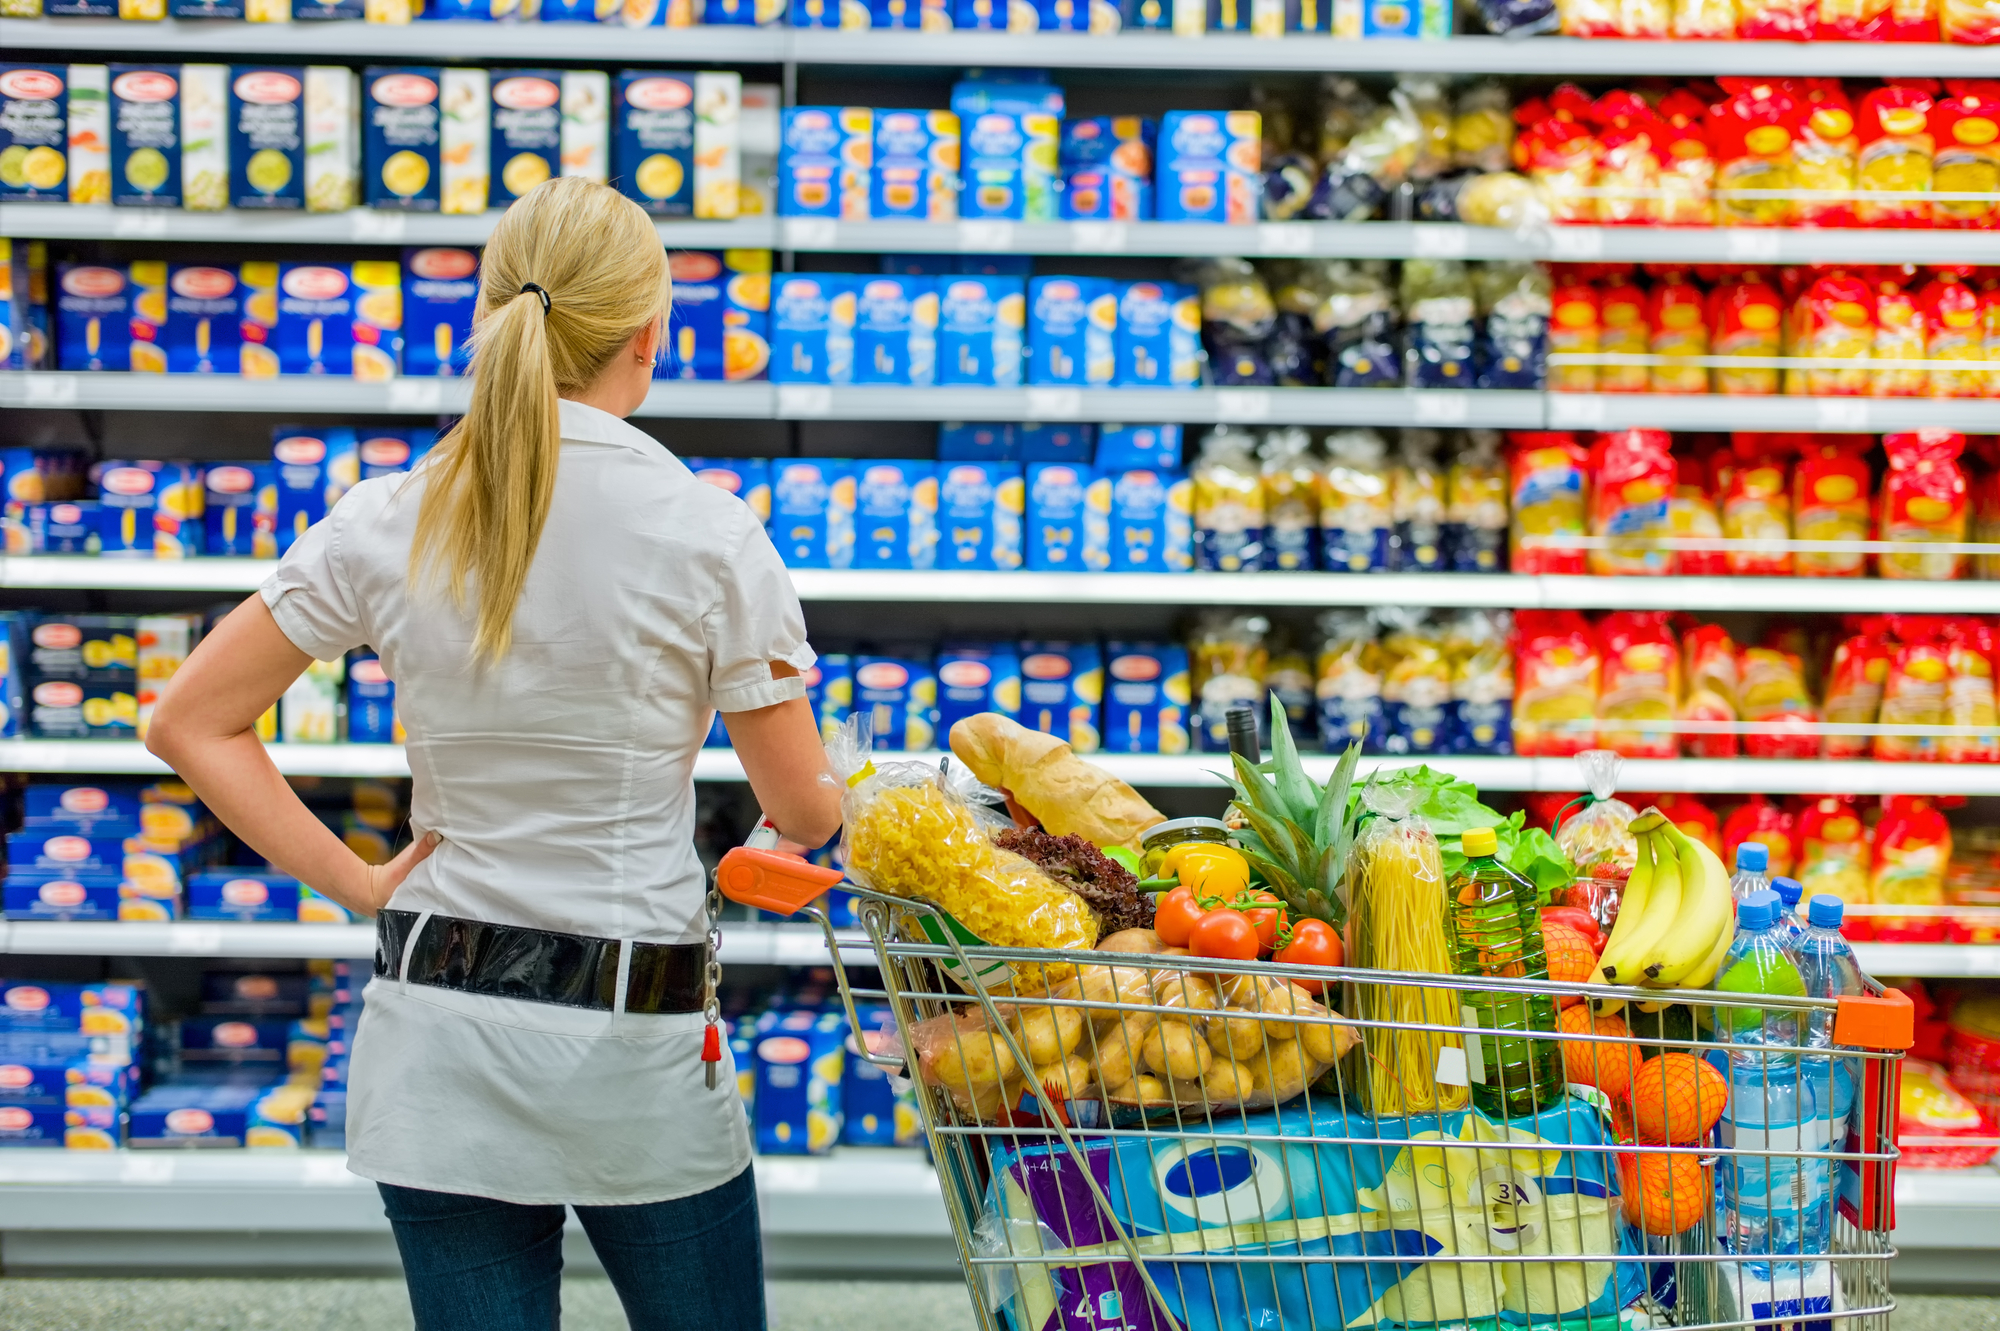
[[1676, 920]]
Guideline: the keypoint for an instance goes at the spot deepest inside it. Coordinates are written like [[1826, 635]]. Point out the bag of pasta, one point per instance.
[[914, 830]]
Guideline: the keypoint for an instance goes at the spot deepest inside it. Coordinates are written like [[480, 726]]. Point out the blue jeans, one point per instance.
[[475, 1264]]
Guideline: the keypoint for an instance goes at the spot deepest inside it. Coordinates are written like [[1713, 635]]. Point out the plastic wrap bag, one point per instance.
[[911, 830], [1598, 838]]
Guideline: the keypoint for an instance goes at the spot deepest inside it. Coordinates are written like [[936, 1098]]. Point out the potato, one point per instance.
[[989, 1103], [1177, 989], [1151, 1091], [1070, 1078], [1323, 1039], [1048, 1033], [972, 1059], [1116, 1047], [1131, 940], [1281, 1070], [1231, 1034], [1114, 984], [1174, 952], [1172, 1050], [1227, 1083], [1276, 996]]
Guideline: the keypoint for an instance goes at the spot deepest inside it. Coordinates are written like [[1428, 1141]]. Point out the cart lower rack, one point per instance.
[[1141, 1142]]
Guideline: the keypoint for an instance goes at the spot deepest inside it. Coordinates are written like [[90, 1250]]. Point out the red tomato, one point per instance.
[[1314, 943], [1267, 923], [1224, 934], [1175, 916]]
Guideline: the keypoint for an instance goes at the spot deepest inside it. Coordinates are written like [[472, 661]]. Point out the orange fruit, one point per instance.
[[1676, 1100], [1570, 956], [1608, 1067], [1665, 1194]]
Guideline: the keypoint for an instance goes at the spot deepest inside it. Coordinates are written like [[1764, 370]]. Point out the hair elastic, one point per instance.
[[530, 286]]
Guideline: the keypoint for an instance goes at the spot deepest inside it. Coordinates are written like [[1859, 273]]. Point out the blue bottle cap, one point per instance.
[[1825, 911], [1758, 911], [1788, 891], [1753, 857]]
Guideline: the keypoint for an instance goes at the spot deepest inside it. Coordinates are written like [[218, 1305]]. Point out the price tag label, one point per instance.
[[802, 401], [1284, 238], [1841, 413], [148, 1170], [1572, 243], [369, 224], [1242, 404], [1451, 1068], [1569, 411], [985, 236], [195, 940], [1097, 237], [1054, 404], [1751, 245], [50, 390], [415, 394], [1445, 408], [1439, 240], [811, 233], [138, 223]]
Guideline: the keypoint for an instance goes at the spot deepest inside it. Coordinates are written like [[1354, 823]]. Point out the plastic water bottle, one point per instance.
[[1775, 1206], [1828, 967], [1789, 892], [1753, 858]]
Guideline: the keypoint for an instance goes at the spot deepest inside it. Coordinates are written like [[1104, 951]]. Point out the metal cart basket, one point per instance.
[[1259, 1164]]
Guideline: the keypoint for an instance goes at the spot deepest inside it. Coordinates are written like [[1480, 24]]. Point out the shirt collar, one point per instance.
[[590, 425]]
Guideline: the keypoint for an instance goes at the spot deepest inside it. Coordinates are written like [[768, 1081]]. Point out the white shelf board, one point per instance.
[[552, 43], [300, 394], [360, 226], [1714, 411], [77, 572], [1930, 960], [1948, 1208], [129, 757]]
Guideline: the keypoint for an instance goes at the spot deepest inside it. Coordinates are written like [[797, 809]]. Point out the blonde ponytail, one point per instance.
[[602, 271]]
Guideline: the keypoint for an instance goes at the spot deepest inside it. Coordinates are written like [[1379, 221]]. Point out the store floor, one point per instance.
[[588, 1305]]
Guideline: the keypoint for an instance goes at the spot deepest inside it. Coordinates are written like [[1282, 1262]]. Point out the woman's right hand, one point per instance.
[[384, 879]]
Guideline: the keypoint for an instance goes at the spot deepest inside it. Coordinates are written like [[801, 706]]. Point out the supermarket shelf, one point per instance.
[[1930, 960], [129, 757], [946, 587], [1661, 411], [1130, 50]]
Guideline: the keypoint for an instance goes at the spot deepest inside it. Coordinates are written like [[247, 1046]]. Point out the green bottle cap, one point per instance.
[[1479, 841]]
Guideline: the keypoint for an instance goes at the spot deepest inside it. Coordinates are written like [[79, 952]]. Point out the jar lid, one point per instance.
[[1173, 825]]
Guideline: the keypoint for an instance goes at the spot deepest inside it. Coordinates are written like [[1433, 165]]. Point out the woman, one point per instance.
[[562, 605]]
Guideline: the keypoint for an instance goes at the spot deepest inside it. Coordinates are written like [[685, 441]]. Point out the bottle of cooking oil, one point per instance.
[[1497, 934]]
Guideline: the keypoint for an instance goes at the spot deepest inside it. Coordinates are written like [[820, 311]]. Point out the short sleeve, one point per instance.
[[755, 620], [310, 596]]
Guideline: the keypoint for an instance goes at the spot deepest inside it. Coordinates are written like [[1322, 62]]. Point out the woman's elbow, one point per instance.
[[162, 738]]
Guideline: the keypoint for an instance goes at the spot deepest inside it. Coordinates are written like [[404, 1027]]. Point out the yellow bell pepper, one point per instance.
[[1209, 870]]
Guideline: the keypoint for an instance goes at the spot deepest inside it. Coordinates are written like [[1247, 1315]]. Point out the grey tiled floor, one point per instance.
[[588, 1305]]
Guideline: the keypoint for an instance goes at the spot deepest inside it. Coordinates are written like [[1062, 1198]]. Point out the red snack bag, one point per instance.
[[1687, 167], [1834, 854], [1969, 699], [1576, 326], [1900, 334], [1923, 500], [1854, 684], [1833, 319], [1757, 819], [1757, 504], [1912, 851], [1965, 132], [1893, 124], [1830, 503], [1559, 149], [1849, 20], [1693, 513], [1678, 319], [1969, 22], [1954, 327], [1772, 689], [1744, 319], [1632, 477], [1826, 151], [1639, 681], [1555, 682], [1624, 332], [1751, 131], [1909, 21], [1710, 670], [1548, 483], [1627, 179], [1913, 692]]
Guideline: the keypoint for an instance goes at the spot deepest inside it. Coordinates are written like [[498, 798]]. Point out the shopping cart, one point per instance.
[[1161, 1204]]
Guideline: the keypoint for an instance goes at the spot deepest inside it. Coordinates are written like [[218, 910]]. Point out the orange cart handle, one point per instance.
[[1867, 1022], [772, 881]]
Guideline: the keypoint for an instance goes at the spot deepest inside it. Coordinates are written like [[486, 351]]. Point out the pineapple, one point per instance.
[[1296, 832]]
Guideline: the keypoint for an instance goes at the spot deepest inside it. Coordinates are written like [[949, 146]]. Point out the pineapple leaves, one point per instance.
[[1278, 876], [1300, 796]]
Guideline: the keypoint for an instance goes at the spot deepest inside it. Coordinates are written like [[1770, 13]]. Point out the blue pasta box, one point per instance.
[[371, 702], [52, 1011], [1044, 441], [1159, 336], [242, 894], [1308, 15], [1098, 16], [203, 1114], [1024, 92], [1067, 531], [829, 14], [313, 466], [145, 136], [83, 709], [524, 136], [21, 484], [975, 677], [899, 696], [980, 328], [1146, 697], [62, 528], [1072, 327], [341, 319], [1062, 688], [812, 512], [203, 333], [1151, 519], [150, 510], [959, 441], [914, 174], [31, 1127], [24, 305], [812, 327], [980, 507], [82, 647], [895, 514], [400, 137], [720, 326], [240, 510], [267, 137], [1010, 166], [749, 479], [1115, 153], [928, 15], [81, 808], [825, 156], [830, 691], [34, 131], [895, 331], [1405, 19], [386, 452], [61, 896], [44, 850], [1122, 447], [876, 1110], [739, 13], [34, 1071], [13, 630], [223, 9], [994, 15], [441, 293], [1209, 167], [800, 1062], [653, 149], [237, 1040], [253, 994], [111, 317]]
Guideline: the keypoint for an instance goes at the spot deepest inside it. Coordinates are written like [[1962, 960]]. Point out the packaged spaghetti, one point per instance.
[[1292, 484], [1639, 682], [1965, 134], [1826, 153], [1230, 659], [1759, 820], [1709, 667], [1901, 333], [1416, 684], [1968, 696], [1624, 332], [1969, 22], [1751, 130], [1556, 676], [1771, 691], [1687, 166], [1745, 318], [1548, 496], [1627, 181], [1482, 682], [1954, 330], [1912, 851], [1776, 20], [1913, 691], [1416, 503], [1598, 838], [1833, 319], [1357, 520], [1475, 508], [1854, 683], [1677, 318], [1833, 850], [1893, 128], [1576, 327], [1482, 127], [1693, 514], [1757, 503], [1348, 681], [1632, 479], [1830, 503], [1923, 500]]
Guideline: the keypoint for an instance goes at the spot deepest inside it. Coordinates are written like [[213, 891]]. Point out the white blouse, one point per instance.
[[561, 779]]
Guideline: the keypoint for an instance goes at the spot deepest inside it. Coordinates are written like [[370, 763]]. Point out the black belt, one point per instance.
[[539, 965]]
